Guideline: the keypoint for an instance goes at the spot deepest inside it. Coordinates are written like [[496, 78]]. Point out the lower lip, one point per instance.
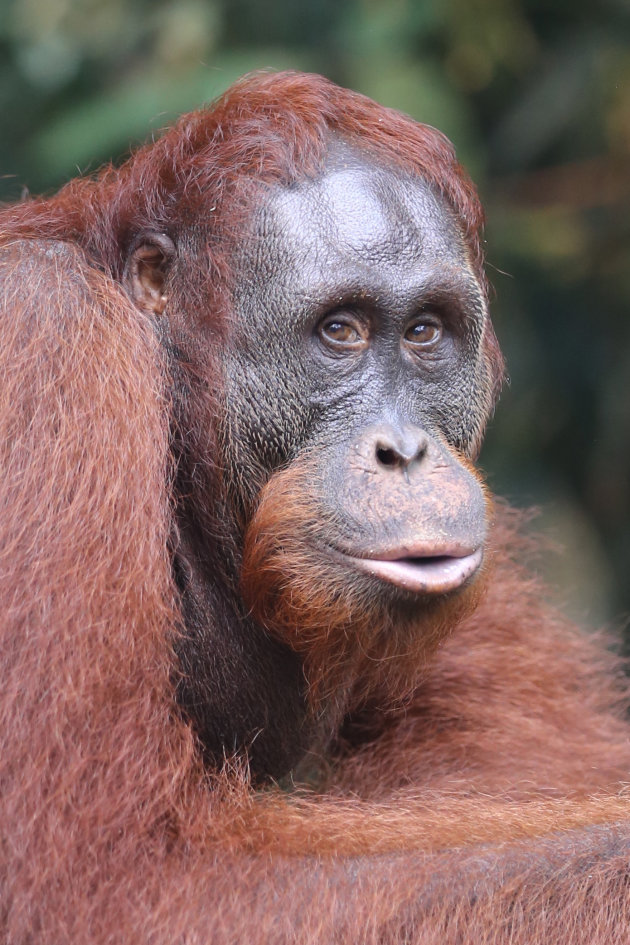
[[437, 575]]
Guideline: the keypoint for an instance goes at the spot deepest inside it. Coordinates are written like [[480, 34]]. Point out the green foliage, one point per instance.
[[536, 97]]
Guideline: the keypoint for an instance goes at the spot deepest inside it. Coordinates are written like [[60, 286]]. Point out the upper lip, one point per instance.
[[419, 550]]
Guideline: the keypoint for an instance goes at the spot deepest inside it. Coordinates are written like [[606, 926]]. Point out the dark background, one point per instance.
[[536, 96]]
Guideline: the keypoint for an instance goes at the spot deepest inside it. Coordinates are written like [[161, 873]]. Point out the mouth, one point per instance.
[[424, 573]]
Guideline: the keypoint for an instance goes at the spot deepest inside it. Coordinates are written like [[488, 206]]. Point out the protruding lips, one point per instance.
[[423, 570]]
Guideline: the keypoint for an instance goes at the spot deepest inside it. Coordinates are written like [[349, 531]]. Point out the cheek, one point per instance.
[[461, 402], [267, 418]]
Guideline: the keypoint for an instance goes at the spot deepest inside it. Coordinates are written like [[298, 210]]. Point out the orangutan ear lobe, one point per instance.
[[145, 272]]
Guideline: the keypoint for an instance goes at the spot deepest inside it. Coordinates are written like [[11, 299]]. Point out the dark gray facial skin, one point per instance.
[[364, 242], [357, 339]]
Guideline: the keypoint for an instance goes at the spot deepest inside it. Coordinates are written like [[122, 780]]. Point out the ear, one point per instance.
[[145, 272]]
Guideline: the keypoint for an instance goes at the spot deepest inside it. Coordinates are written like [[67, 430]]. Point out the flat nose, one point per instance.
[[399, 447]]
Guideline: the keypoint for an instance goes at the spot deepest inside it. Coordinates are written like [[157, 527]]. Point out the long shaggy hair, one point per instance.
[[487, 809]]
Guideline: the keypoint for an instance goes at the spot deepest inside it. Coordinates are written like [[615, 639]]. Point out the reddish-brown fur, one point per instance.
[[487, 808], [305, 598]]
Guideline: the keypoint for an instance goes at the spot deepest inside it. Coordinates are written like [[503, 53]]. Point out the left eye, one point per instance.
[[343, 333], [423, 334], [340, 333]]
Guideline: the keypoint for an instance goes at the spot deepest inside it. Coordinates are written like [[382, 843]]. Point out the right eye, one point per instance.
[[341, 332]]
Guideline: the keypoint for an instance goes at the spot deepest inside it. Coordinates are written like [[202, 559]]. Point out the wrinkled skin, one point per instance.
[[357, 344], [365, 241]]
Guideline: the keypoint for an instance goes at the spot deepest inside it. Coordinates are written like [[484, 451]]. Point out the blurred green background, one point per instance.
[[536, 96]]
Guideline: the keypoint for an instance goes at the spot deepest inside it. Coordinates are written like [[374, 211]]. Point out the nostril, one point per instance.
[[387, 456], [401, 450]]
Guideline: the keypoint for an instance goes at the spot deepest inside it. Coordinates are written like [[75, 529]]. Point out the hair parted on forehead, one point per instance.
[[199, 181], [276, 128], [268, 128]]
